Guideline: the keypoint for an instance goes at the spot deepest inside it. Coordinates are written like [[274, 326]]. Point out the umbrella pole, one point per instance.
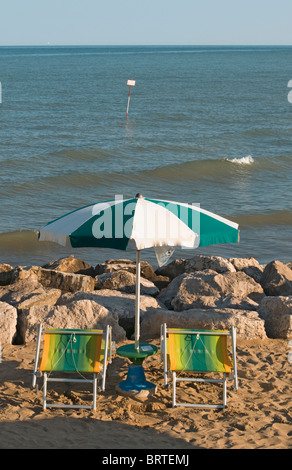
[[137, 303], [136, 382]]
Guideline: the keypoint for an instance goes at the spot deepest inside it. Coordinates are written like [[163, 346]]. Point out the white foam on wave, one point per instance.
[[248, 160]]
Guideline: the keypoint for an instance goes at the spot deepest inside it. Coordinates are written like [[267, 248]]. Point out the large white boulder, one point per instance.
[[277, 279], [123, 305], [125, 281], [82, 314], [277, 314], [8, 321], [197, 263], [248, 324], [28, 292], [210, 289], [50, 278]]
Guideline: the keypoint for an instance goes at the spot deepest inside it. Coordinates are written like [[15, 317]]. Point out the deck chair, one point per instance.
[[198, 351], [76, 352]]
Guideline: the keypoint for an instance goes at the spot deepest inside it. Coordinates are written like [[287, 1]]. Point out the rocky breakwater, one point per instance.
[[207, 292]]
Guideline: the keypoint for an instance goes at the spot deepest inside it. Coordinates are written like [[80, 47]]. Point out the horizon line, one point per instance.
[[49, 44]]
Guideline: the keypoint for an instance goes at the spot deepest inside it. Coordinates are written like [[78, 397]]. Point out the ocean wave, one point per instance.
[[105, 172], [22, 247], [273, 218], [248, 160], [203, 169], [19, 240], [86, 169], [219, 169], [28, 239], [210, 170]]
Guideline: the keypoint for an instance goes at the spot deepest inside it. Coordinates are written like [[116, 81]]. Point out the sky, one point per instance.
[[145, 22]]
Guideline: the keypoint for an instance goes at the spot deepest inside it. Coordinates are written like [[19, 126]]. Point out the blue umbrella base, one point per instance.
[[136, 383]]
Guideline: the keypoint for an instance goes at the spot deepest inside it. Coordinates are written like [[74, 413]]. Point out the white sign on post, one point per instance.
[[130, 83]]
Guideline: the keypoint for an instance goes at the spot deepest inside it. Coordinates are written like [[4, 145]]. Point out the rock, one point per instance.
[[6, 272], [277, 313], [70, 264], [55, 279], [210, 289], [160, 281], [248, 324], [147, 271], [82, 314], [248, 265], [277, 279], [117, 302], [8, 321], [112, 265], [242, 263], [203, 262], [254, 272], [125, 281], [197, 263], [233, 302], [26, 293], [173, 269]]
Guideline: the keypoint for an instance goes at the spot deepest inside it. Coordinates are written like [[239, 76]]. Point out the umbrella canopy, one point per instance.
[[140, 223]]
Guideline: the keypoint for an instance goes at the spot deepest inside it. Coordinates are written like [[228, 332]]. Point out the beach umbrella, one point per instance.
[[140, 223]]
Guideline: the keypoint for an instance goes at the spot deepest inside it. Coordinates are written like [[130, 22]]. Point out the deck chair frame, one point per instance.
[[108, 348], [175, 379]]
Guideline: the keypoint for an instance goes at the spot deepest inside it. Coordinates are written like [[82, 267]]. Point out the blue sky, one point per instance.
[[109, 22]]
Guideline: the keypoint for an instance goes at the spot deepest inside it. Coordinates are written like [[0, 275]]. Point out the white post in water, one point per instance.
[[131, 83], [137, 302], [0, 92]]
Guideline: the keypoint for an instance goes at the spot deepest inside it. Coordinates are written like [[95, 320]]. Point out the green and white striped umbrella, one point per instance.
[[140, 223]]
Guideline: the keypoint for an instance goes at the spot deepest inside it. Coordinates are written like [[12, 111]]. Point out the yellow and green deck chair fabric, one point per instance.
[[73, 351], [198, 351]]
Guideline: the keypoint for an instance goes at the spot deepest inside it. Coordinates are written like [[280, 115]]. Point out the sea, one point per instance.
[[209, 125]]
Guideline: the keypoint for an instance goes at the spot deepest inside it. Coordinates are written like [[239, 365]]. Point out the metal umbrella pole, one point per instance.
[[137, 300]]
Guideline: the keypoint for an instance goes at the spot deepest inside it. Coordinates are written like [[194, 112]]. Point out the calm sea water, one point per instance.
[[207, 125]]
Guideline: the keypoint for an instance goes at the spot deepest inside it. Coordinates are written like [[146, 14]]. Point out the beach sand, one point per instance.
[[258, 415]]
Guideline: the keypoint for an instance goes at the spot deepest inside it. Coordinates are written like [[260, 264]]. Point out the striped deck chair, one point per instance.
[[72, 351], [198, 351]]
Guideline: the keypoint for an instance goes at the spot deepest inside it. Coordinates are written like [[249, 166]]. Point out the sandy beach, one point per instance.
[[184, 197], [258, 415]]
